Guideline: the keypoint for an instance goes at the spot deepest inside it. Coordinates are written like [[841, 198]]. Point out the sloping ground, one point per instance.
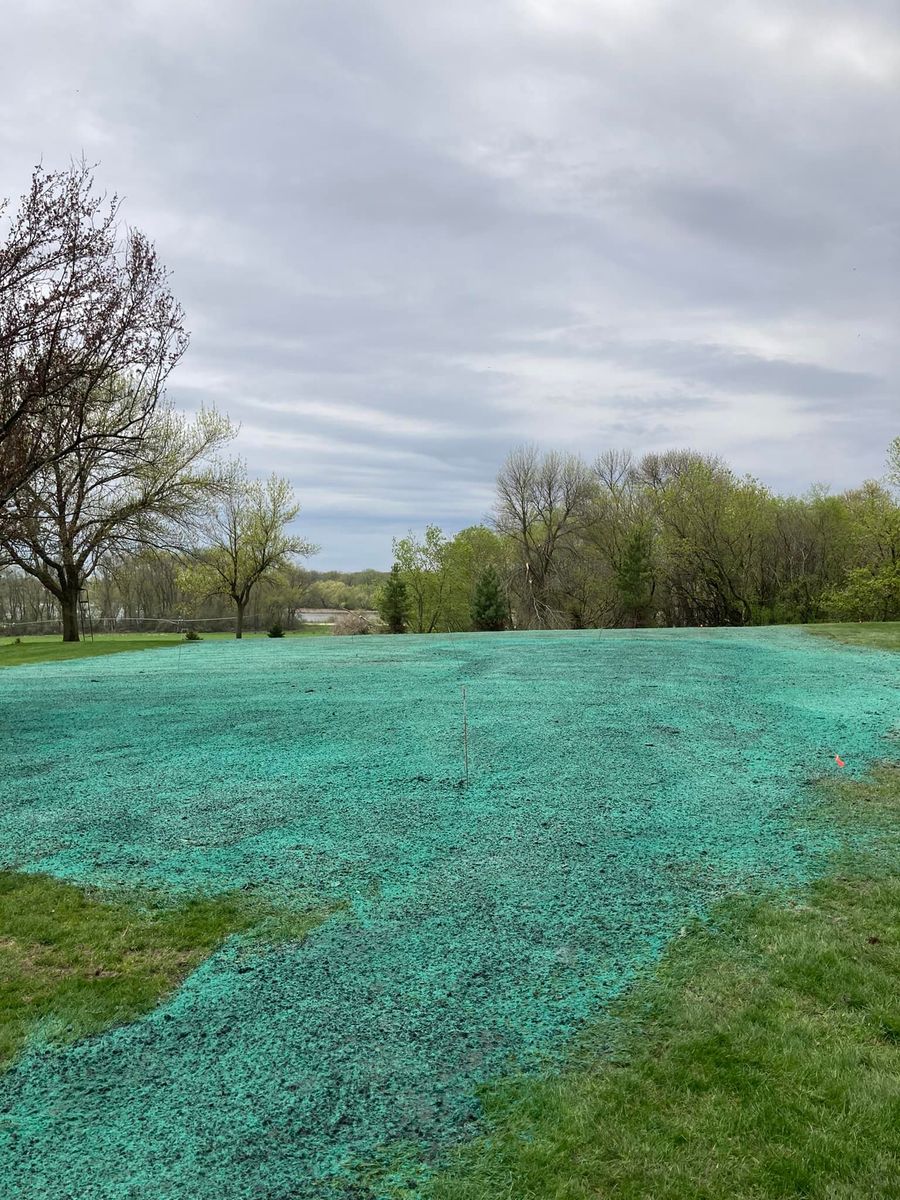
[[619, 783], [758, 1060]]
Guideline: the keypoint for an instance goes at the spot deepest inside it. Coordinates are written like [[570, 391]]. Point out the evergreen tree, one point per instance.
[[489, 609], [393, 601], [635, 576]]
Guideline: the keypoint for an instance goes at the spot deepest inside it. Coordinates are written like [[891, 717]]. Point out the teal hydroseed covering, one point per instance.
[[619, 782]]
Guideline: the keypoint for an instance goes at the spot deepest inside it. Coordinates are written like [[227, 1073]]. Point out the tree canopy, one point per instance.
[[85, 308], [673, 538]]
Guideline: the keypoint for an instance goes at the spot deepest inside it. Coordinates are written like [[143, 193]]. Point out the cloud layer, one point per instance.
[[411, 236]]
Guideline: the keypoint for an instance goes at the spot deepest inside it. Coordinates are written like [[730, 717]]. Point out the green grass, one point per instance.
[[878, 635], [74, 962], [761, 1059], [47, 648], [51, 648]]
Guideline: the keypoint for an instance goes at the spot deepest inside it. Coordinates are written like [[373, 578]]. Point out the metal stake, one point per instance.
[[465, 731]]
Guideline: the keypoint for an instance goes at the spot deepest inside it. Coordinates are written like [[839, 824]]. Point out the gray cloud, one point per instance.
[[409, 236]]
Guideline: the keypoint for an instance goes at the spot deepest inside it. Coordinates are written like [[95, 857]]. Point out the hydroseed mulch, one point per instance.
[[619, 782]]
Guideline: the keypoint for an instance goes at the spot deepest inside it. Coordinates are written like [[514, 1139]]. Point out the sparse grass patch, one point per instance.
[[761, 1059], [74, 961]]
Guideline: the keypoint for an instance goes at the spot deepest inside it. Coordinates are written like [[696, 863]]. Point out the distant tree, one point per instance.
[[82, 309], [870, 589], [424, 567], [466, 557], [635, 576], [714, 532], [893, 463], [23, 600], [874, 525], [806, 556], [543, 503], [354, 590], [393, 602], [283, 595], [139, 585], [334, 593], [95, 503], [245, 540], [490, 611]]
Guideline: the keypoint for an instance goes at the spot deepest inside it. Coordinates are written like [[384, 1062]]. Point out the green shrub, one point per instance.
[[490, 610], [276, 630], [393, 601], [867, 594]]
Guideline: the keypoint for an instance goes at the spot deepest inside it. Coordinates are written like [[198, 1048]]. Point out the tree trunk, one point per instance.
[[239, 619], [69, 605]]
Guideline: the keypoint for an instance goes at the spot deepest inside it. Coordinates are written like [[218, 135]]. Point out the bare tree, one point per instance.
[[246, 540], [656, 471], [893, 464], [542, 505], [106, 497], [82, 307], [615, 471]]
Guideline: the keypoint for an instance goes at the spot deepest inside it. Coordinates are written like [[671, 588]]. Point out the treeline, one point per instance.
[[114, 503], [146, 591], [666, 539]]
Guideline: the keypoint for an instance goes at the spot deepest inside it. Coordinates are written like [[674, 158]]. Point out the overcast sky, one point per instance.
[[410, 235]]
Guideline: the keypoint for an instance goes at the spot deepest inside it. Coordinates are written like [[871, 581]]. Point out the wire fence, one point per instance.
[[176, 624]]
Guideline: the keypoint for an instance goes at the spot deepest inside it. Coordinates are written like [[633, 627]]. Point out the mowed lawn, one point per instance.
[[15, 652], [877, 635]]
